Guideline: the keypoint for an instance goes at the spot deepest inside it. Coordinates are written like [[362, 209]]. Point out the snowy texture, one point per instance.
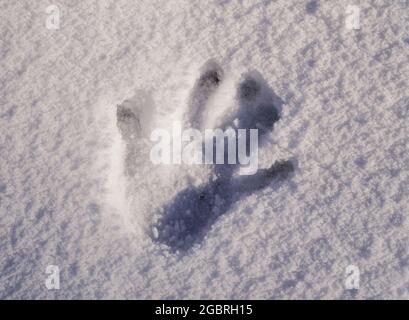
[[78, 190]]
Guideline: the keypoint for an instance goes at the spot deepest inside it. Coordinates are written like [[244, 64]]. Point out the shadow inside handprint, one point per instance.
[[188, 217]]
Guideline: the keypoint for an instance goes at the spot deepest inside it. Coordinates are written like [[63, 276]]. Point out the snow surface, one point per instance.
[[77, 189]]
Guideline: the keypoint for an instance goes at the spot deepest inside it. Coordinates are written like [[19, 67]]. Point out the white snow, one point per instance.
[[67, 199]]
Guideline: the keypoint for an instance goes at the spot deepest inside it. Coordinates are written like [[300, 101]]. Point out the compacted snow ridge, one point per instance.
[[324, 82]]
